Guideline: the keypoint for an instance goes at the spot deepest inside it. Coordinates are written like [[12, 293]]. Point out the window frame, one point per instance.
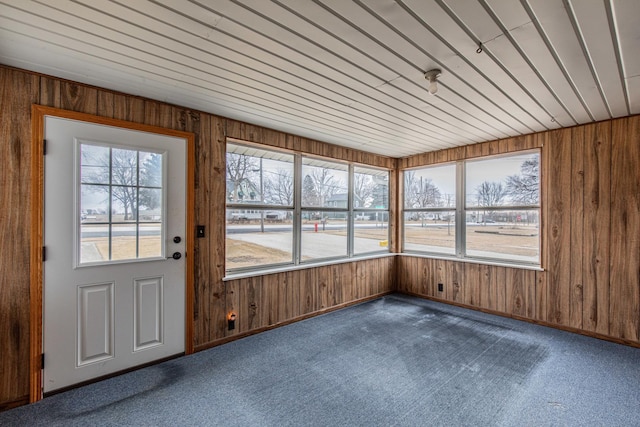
[[461, 209], [384, 210], [298, 211], [78, 221], [428, 210], [324, 209]]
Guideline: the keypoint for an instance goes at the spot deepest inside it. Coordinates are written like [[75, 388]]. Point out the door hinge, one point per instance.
[[44, 253], [44, 147], [42, 361]]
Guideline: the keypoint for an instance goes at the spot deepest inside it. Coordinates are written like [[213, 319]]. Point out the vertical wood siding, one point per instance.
[[17, 92], [624, 285], [265, 301], [259, 302], [590, 235]]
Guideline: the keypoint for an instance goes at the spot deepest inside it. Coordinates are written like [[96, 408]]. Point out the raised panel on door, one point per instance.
[[147, 312], [95, 323]]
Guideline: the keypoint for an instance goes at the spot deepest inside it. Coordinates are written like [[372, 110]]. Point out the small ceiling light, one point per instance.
[[432, 76]]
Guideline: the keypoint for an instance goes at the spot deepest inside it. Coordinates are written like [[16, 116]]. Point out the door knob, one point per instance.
[[177, 239], [176, 255]]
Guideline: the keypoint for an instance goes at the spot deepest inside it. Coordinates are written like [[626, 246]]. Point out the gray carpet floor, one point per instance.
[[395, 361]]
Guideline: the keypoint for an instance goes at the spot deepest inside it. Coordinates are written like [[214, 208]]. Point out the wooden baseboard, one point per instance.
[[225, 340], [526, 319], [5, 406]]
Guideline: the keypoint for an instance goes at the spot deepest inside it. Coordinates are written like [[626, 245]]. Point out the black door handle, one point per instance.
[[176, 255]]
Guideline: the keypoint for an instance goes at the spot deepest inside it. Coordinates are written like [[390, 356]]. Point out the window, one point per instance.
[[325, 209], [430, 209], [486, 208], [292, 209], [370, 209], [502, 208], [260, 192], [121, 210]]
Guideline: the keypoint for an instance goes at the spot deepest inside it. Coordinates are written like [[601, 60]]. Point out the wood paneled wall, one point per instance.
[[277, 298], [590, 230], [15, 173], [590, 237], [259, 302]]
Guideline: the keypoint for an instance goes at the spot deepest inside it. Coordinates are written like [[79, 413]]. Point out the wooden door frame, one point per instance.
[[38, 114]]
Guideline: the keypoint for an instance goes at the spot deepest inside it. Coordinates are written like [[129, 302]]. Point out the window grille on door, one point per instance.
[[120, 205]]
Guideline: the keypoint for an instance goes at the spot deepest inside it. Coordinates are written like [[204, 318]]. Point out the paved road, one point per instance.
[[271, 227], [119, 230]]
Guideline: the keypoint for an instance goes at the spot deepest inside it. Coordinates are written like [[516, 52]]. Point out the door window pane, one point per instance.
[[124, 167], [94, 243], [124, 241], [150, 204], [150, 170], [121, 211], [94, 164], [150, 240], [124, 204]]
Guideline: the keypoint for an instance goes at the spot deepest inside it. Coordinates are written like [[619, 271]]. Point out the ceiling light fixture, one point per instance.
[[432, 76]]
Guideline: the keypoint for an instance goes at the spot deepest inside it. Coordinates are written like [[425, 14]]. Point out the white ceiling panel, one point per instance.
[[556, 24], [348, 72], [600, 47], [449, 25]]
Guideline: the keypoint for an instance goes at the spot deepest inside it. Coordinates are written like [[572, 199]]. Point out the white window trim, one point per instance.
[[298, 210], [460, 218]]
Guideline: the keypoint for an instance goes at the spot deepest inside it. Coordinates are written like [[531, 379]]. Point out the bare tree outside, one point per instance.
[[310, 196], [525, 188], [490, 194], [421, 192], [116, 172], [325, 184], [124, 177], [150, 176], [239, 169], [278, 187], [364, 188]]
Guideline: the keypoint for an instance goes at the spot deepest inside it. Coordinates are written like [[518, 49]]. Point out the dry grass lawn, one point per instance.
[[517, 240], [125, 247], [245, 254], [520, 240]]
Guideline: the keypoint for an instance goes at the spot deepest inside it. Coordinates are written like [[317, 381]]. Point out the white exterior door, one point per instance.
[[114, 214]]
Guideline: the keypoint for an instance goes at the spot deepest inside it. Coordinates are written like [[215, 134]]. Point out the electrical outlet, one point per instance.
[[440, 287]]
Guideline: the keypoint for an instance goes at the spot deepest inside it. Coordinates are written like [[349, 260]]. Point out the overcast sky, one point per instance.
[[495, 169]]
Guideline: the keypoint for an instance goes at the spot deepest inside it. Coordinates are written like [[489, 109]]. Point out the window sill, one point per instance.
[[475, 261], [286, 268]]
